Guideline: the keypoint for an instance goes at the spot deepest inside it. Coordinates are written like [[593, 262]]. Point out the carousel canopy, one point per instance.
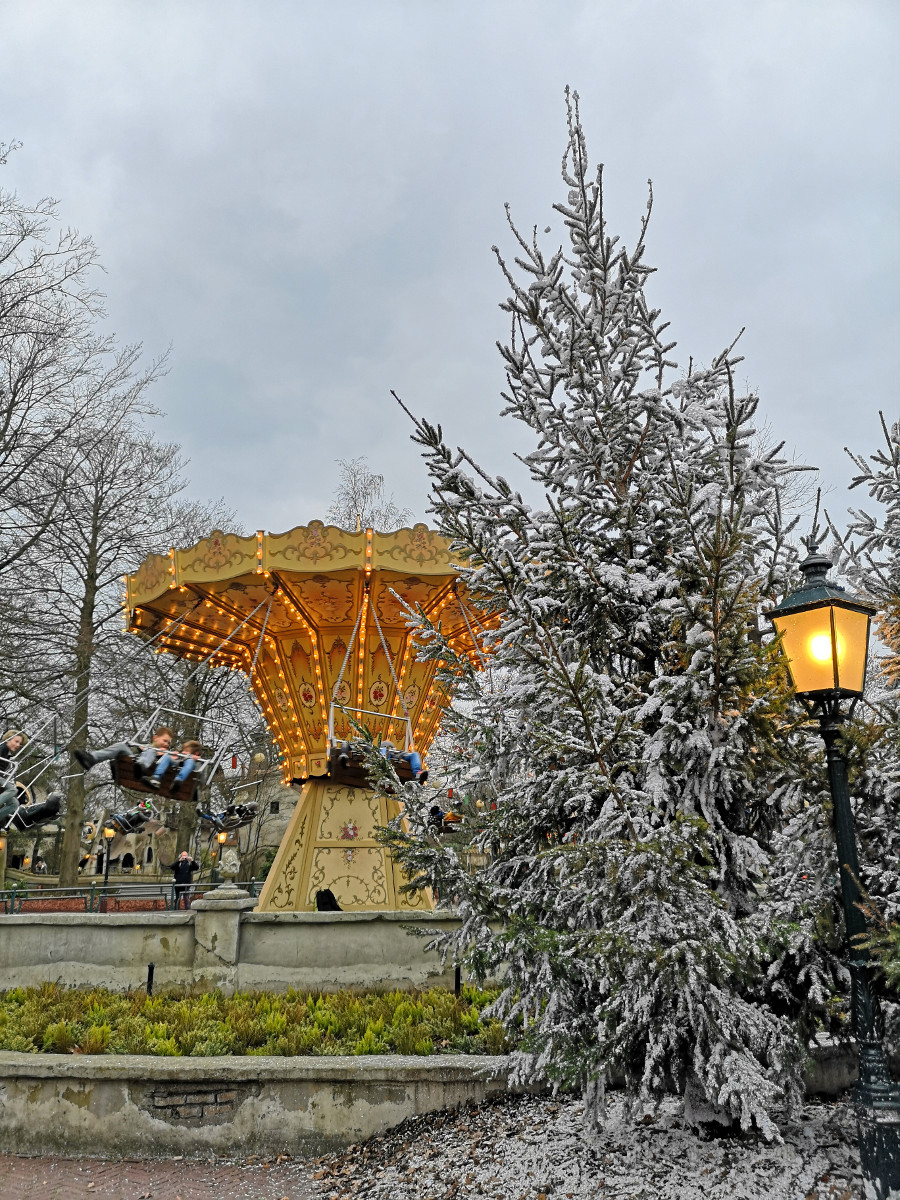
[[286, 608]]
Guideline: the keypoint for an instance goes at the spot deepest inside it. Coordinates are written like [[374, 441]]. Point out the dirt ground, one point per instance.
[[54, 1178]]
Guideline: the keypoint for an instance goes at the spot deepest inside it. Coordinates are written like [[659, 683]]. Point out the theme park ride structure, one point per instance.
[[316, 619]]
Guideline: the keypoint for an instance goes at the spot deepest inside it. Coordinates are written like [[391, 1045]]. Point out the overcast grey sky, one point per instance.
[[301, 199]]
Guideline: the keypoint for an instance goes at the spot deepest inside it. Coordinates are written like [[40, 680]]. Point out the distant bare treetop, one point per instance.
[[359, 500]]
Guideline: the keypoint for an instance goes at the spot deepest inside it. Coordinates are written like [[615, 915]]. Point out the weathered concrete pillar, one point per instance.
[[217, 934]]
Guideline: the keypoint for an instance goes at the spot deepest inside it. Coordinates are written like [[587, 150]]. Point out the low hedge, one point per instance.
[[53, 1019]]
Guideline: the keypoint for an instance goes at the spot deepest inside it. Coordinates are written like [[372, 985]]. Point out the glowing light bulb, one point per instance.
[[820, 647]]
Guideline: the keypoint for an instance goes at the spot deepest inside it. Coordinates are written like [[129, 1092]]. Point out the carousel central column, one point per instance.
[[330, 844]]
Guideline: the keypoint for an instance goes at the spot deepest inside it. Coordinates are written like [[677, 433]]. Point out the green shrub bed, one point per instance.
[[53, 1019]]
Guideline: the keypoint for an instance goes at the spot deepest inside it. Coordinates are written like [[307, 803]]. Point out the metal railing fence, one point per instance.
[[98, 897]]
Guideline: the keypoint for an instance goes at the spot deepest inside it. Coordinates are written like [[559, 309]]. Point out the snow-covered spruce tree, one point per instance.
[[625, 748]]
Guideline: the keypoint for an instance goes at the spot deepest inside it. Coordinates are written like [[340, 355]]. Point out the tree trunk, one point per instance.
[[84, 651], [187, 824]]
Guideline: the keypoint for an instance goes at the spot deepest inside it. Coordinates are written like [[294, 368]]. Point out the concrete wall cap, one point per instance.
[[402, 916], [148, 919], [306, 1068]]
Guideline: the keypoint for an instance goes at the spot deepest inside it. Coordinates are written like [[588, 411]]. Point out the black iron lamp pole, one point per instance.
[[825, 637], [108, 835]]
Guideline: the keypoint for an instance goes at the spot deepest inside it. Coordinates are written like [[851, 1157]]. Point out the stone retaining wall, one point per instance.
[[221, 942], [112, 1105]]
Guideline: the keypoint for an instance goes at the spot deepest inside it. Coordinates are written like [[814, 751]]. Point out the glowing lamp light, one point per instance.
[[820, 647], [824, 633], [222, 837], [108, 832]]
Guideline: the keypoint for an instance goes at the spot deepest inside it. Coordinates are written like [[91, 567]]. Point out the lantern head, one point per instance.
[[824, 633], [108, 832]]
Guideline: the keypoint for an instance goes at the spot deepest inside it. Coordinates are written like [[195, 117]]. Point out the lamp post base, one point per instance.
[[878, 1119], [877, 1103]]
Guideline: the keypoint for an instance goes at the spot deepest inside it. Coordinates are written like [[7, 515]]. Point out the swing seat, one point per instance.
[[443, 822], [239, 815], [127, 774], [132, 821], [356, 772], [236, 816], [27, 816]]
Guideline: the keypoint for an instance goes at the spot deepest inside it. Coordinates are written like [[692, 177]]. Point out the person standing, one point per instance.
[[183, 869]]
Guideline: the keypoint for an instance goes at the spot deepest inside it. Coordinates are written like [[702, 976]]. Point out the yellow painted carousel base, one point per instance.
[[330, 843]]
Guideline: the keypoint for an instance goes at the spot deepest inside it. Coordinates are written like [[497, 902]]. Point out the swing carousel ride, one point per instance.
[[316, 619]]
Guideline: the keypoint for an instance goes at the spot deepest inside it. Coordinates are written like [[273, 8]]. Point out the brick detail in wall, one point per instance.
[[199, 1106]]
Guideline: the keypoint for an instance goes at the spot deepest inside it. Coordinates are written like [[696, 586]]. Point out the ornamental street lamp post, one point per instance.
[[825, 637], [221, 838], [108, 834]]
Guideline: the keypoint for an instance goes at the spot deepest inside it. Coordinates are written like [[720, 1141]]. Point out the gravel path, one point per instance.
[[523, 1148]]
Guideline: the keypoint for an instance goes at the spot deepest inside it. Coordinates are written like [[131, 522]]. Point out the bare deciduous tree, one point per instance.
[[120, 502], [86, 492], [360, 502], [56, 370]]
